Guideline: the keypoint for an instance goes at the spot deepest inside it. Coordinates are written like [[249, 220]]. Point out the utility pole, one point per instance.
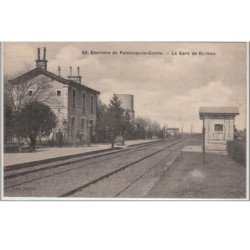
[[203, 141]]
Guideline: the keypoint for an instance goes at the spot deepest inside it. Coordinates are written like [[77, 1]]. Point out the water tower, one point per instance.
[[127, 102]]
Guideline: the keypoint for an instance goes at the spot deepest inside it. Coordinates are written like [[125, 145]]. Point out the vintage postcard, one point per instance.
[[125, 120]]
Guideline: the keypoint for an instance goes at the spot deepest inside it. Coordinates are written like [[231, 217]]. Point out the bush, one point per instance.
[[237, 150], [11, 148]]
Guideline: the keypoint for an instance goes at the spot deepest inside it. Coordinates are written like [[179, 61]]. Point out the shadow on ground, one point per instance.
[[220, 178]]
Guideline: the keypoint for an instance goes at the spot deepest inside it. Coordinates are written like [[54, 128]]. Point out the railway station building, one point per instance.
[[71, 100], [218, 123]]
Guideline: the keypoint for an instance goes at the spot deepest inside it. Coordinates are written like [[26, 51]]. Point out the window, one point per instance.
[[91, 127], [92, 104], [83, 101], [73, 126], [30, 92], [83, 125], [58, 93], [74, 98], [218, 127]]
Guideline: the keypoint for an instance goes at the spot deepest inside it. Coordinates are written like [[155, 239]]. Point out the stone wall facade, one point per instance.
[[218, 130], [74, 114], [81, 115]]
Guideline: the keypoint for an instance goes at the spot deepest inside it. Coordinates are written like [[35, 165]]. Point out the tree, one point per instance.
[[143, 127], [146, 128], [34, 117], [17, 96], [105, 125], [115, 118], [128, 126], [8, 122], [155, 126]]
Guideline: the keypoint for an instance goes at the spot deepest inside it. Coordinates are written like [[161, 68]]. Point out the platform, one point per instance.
[[46, 153], [198, 149]]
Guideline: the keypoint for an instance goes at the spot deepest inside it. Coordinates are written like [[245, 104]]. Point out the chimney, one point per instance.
[[59, 70], [76, 78], [41, 63], [44, 54], [38, 54]]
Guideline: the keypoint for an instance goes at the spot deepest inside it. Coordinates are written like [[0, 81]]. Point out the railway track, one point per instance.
[[39, 167], [115, 172], [100, 158], [141, 176], [74, 159], [20, 179]]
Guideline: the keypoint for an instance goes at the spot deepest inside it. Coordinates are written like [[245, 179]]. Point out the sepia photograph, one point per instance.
[[125, 120], [124, 125]]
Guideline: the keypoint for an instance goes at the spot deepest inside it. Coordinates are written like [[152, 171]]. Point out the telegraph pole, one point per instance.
[[203, 141]]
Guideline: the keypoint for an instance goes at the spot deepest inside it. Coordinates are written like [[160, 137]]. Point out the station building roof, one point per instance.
[[39, 71], [218, 111]]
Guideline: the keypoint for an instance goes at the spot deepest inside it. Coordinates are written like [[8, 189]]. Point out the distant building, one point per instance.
[[172, 131], [127, 102], [219, 126], [73, 102]]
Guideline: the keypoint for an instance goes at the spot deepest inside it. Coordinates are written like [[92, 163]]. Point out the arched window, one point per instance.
[[218, 127], [30, 92]]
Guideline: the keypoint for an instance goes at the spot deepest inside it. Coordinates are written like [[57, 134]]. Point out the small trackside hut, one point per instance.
[[172, 132], [218, 126]]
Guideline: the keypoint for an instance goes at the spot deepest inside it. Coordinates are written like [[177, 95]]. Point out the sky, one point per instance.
[[168, 86]]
